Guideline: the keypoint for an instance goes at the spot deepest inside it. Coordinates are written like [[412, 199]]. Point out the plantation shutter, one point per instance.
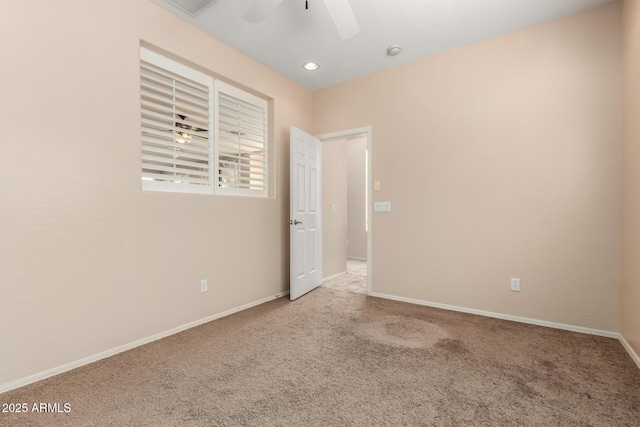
[[241, 154], [176, 117]]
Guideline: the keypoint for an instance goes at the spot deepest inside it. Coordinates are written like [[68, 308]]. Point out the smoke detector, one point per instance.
[[394, 50], [191, 7]]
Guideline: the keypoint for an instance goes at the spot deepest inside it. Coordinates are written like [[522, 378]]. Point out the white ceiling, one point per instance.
[[291, 35]]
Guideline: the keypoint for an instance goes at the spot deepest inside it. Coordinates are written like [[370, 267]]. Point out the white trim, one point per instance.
[[629, 349], [108, 353], [368, 131], [326, 279], [344, 133], [528, 320], [159, 60], [355, 258]]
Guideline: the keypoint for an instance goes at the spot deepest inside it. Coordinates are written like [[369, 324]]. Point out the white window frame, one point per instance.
[[214, 184]]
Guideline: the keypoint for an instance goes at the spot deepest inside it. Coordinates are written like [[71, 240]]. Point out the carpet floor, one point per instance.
[[336, 358], [355, 279]]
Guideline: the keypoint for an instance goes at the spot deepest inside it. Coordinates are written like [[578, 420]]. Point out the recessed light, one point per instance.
[[311, 66], [394, 50]]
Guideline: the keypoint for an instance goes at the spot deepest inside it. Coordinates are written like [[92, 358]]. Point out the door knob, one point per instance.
[[294, 222]]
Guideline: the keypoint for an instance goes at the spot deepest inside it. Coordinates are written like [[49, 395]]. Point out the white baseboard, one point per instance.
[[326, 279], [629, 349], [355, 258], [108, 353], [572, 328]]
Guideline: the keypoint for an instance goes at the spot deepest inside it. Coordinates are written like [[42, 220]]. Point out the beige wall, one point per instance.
[[334, 192], [356, 190], [630, 292], [88, 261], [501, 159]]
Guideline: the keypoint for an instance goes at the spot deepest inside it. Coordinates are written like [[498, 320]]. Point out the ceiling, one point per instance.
[[291, 35]]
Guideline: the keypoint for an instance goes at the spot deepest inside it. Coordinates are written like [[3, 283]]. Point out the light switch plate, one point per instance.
[[382, 206]]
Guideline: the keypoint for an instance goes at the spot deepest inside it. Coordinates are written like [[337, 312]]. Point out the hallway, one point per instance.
[[355, 279]]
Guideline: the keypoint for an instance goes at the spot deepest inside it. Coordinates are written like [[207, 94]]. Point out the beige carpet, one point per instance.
[[336, 358], [355, 279]]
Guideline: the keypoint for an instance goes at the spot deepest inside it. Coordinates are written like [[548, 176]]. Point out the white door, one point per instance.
[[305, 213]]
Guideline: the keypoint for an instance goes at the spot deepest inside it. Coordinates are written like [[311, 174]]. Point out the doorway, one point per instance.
[[346, 209]]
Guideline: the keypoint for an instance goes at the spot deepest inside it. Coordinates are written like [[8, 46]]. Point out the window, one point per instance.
[[176, 110], [241, 145], [199, 135]]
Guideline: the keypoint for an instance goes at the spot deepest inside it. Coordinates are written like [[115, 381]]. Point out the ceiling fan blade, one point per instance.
[[343, 18], [260, 10]]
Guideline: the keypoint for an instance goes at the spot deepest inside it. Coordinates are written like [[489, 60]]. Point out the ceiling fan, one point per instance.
[[339, 10]]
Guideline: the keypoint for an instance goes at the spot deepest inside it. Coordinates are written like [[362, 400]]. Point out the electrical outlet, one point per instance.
[[204, 286], [515, 284]]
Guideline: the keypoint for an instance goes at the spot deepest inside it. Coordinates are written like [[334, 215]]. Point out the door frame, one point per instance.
[[366, 130]]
